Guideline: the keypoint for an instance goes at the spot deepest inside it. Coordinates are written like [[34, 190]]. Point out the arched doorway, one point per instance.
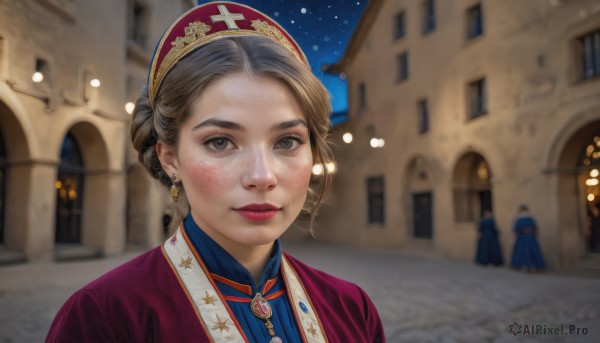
[[3, 170], [69, 192], [16, 210], [420, 188], [472, 188], [589, 175]]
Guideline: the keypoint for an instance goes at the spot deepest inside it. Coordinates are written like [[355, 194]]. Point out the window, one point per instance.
[[472, 188], [402, 67], [375, 200], [474, 22], [477, 98], [138, 23], [590, 55], [399, 25], [362, 95], [423, 119], [428, 16]]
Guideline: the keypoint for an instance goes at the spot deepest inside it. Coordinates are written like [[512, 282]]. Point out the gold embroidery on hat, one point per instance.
[[273, 32], [194, 31]]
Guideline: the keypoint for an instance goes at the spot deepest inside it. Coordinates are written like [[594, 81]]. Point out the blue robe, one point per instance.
[[488, 247], [526, 253]]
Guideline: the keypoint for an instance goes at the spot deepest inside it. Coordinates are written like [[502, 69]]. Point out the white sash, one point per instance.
[[212, 310]]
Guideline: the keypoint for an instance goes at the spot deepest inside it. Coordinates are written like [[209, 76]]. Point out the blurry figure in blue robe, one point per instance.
[[527, 255], [488, 246]]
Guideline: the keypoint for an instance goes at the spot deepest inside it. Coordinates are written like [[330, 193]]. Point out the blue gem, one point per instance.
[[303, 307]]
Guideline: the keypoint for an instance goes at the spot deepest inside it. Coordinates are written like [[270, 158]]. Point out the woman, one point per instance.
[[527, 255], [488, 246], [233, 117]]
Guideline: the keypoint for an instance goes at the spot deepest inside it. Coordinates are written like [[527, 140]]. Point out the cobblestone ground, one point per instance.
[[421, 296]]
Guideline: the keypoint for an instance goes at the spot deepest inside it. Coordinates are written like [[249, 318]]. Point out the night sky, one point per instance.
[[322, 28]]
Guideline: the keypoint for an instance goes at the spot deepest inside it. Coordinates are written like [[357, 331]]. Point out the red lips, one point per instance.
[[258, 212]]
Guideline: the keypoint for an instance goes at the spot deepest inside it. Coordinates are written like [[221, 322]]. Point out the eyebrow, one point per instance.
[[225, 124], [288, 125]]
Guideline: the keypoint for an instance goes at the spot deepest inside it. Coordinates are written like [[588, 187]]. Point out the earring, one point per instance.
[[174, 189]]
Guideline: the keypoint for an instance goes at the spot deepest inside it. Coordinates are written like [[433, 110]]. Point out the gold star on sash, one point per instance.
[[221, 325], [312, 330], [187, 263], [209, 300]]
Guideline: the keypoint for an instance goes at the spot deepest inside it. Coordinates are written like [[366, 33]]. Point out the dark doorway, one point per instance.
[[485, 201], [69, 195], [422, 222], [3, 168]]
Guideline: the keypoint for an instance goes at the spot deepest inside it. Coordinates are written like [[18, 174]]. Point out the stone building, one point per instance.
[[68, 176], [480, 104]]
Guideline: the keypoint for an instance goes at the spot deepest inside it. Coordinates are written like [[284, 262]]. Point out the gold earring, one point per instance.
[[174, 189]]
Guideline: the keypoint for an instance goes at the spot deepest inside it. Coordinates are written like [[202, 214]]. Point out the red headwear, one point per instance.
[[206, 23]]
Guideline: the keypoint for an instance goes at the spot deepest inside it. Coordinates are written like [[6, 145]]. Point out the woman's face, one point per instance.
[[244, 160]]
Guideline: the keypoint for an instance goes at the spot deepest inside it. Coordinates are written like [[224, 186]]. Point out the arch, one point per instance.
[[95, 176], [16, 180], [561, 142], [574, 209], [472, 188], [419, 185]]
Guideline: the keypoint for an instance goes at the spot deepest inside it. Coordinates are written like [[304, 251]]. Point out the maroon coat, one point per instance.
[[142, 301]]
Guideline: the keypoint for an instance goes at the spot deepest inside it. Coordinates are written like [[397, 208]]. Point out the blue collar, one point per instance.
[[218, 261]]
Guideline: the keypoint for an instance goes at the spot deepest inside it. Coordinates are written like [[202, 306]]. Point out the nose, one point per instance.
[[260, 173]]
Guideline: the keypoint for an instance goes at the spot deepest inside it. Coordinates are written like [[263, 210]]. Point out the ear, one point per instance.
[[167, 155]]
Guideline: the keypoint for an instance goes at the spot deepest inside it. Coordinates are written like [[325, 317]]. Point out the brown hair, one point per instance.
[[255, 55]]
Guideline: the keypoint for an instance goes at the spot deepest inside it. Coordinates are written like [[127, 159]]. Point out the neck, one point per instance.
[[253, 258]]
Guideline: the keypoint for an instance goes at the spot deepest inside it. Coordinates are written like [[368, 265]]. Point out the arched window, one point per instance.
[[69, 195], [3, 168], [472, 188]]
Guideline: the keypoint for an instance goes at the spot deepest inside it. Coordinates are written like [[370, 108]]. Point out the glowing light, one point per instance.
[[58, 184], [591, 197], [482, 171], [37, 77], [347, 137], [95, 83], [594, 173], [377, 142], [303, 10], [590, 148], [591, 182], [317, 169], [129, 107], [330, 167]]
